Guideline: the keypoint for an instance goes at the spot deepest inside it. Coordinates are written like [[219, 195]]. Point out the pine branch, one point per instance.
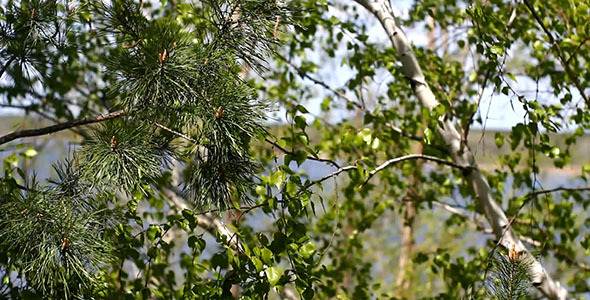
[[59, 127]]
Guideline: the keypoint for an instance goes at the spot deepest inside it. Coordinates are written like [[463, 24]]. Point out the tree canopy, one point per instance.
[[262, 149]]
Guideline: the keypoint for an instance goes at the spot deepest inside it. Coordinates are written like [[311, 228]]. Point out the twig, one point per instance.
[[513, 14], [560, 55], [413, 156], [177, 133], [131, 45], [468, 124], [557, 189], [333, 174], [459, 212], [324, 160], [526, 239], [30, 108], [321, 83], [59, 127]]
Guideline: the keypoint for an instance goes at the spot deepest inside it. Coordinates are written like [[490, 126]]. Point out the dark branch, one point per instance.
[[59, 127], [557, 189]]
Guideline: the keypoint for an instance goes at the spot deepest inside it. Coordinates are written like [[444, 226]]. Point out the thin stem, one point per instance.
[[324, 160], [413, 156]]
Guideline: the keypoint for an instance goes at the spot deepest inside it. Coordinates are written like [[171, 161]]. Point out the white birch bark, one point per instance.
[[461, 155]]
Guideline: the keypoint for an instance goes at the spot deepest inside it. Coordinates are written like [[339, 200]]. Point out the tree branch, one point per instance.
[[560, 55], [31, 108], [557, 189], [479, 225], [174, 132], [324, 160], [59, 127], [356, 104], [413, 156]]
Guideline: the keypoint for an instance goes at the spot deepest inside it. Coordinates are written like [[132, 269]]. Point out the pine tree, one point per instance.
[[177, 96]]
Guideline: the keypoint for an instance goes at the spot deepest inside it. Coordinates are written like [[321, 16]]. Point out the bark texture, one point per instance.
[[461, 154]]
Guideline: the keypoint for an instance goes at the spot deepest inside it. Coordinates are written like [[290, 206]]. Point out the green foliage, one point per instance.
[[124, 155], [139, 209], [510, 277], [55, 240]]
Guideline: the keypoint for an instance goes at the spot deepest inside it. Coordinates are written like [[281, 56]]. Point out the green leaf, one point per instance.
[[273, 274], [428, 136], [189, 216], [366, 135], [260, 190], [278, 178], [300, 122], [499, 139], [12, 159], [375, 144], [307, 250], [30, 152], [153, 231], [266, 256], [257, 263], [497, 50]]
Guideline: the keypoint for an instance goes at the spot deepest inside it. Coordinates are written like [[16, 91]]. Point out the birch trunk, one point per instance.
[[461, 155]]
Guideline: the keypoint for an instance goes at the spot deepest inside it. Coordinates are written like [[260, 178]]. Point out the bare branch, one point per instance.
[[383, 166], [333, 174], [468, 124], [557, 189], [321, 83], [480, 226], [177, 133], [413, 156], [59, 127]]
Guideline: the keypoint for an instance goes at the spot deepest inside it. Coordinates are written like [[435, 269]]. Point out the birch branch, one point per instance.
[[560, 55]]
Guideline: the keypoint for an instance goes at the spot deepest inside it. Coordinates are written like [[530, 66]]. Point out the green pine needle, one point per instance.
[[123, 155], [58, 248]]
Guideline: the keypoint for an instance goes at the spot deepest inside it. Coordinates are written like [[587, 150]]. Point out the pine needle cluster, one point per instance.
[[510, 276], [123, 155], [173, 83], [55, 239], [183, 79]]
